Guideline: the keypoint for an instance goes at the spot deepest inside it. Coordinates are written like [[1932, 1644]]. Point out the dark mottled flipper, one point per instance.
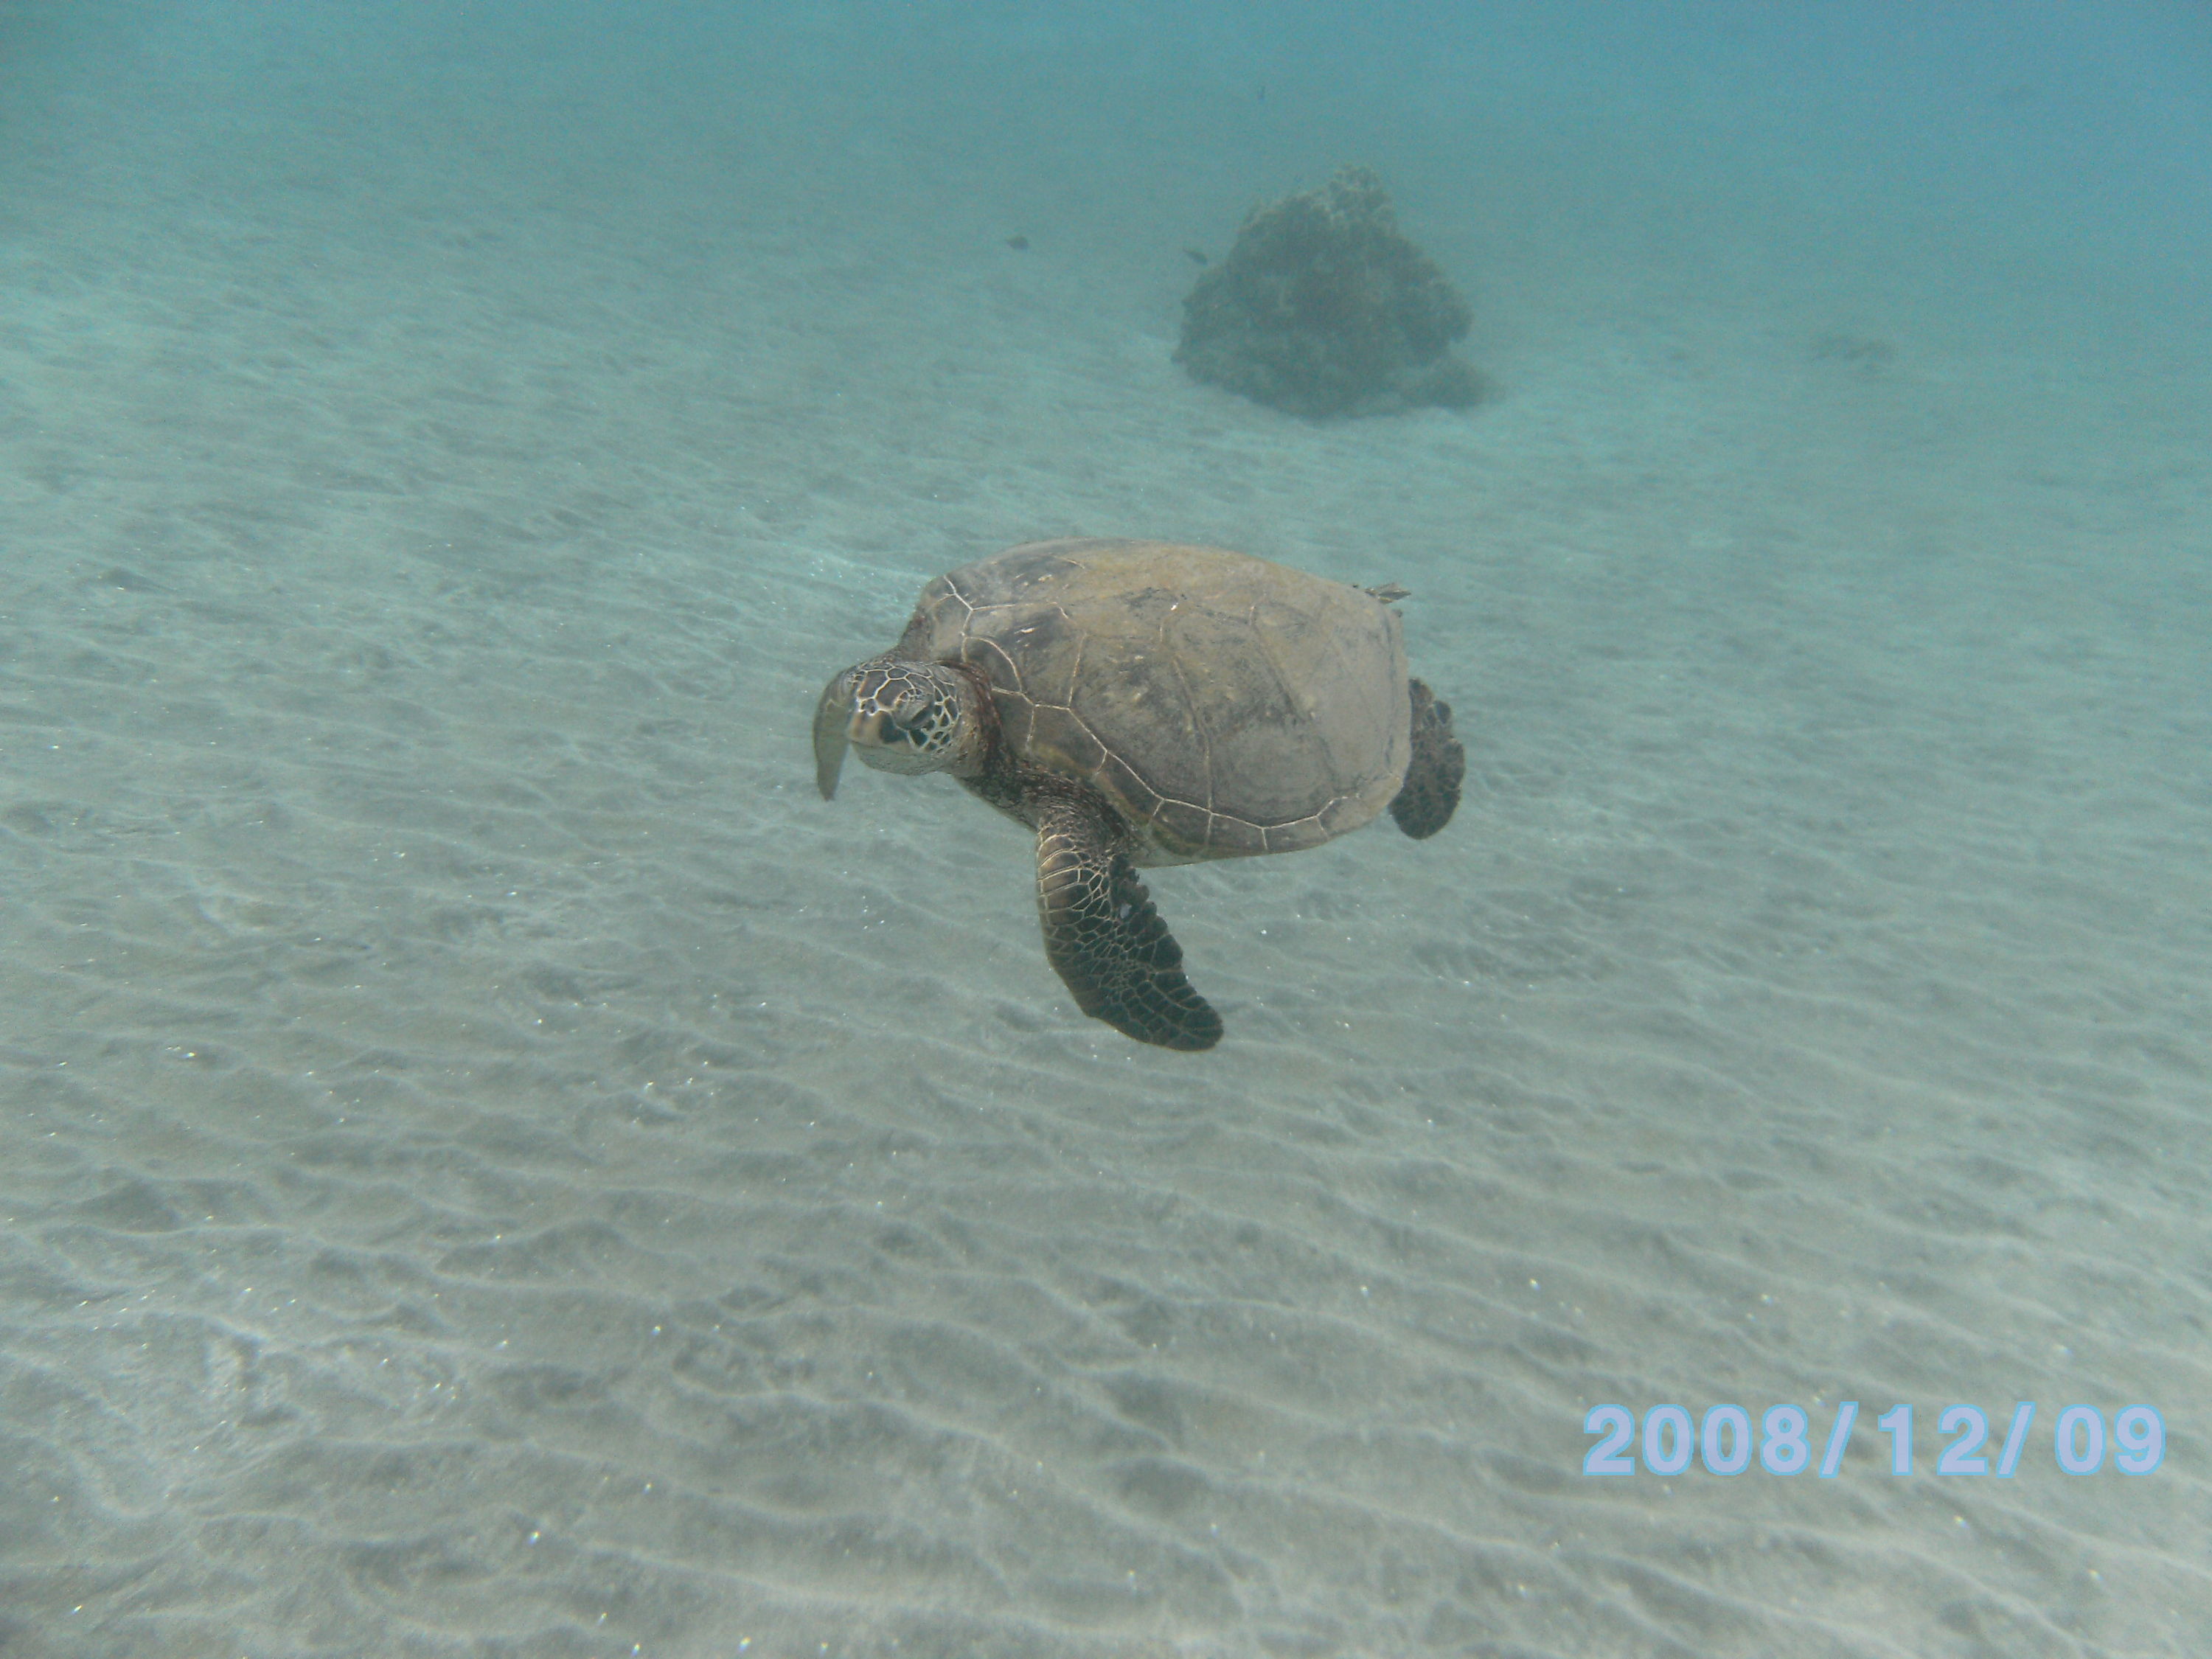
[[1431, 793], [1102, 935]]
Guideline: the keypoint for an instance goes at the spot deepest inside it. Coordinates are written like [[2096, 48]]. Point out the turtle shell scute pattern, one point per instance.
[[1223, 704]]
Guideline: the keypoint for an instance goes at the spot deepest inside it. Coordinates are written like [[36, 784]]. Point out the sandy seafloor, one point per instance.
[[492, 1164]]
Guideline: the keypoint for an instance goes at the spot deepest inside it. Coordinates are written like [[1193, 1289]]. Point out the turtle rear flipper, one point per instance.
[[1426, 800], [1102, 934]]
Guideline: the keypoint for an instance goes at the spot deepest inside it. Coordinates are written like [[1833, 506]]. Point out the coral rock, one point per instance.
[[1322, 307]]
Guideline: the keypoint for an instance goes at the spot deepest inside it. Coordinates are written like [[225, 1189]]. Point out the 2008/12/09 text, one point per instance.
[[1723, 1440]]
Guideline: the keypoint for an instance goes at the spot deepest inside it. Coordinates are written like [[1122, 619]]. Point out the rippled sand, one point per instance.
[[493, 1164]]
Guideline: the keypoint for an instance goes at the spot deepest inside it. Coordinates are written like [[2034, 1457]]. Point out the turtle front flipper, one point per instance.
[[1426, 800], [1102, 935]]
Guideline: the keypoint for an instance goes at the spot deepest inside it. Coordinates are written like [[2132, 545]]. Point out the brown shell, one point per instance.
[[1223, 704]]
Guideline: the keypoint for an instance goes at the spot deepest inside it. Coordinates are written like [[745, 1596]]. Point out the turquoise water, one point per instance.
[[490, 1163]]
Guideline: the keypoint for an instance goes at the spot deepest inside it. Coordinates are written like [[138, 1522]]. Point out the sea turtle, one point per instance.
[[1138, 702]]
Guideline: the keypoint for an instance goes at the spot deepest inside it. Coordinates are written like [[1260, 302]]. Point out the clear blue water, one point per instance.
[[490, 1163]]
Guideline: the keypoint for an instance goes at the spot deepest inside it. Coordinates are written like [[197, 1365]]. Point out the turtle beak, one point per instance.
[[833, 719]]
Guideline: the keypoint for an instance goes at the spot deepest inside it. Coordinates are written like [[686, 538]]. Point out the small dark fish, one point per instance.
[[1017, 243], [1196, 255], [1263, 92]]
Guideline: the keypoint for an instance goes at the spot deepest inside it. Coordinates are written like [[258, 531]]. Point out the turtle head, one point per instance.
[[902, 716]]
